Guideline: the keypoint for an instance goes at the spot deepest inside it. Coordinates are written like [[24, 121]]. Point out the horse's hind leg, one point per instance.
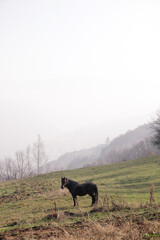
[[93, 199]]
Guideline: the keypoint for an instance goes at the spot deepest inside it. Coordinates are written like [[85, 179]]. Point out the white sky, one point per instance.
[[65, 65]]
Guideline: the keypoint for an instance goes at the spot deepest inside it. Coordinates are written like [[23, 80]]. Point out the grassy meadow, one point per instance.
[[36, 202]]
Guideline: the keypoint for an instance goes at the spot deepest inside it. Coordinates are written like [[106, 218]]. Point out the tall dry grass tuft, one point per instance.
[[152, 198], [131, 228], [106, 202], [118, 204]]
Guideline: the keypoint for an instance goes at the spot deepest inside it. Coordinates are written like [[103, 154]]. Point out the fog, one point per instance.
[[90, 67]]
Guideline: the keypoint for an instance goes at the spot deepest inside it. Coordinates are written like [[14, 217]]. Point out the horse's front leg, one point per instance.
[[77, 201]]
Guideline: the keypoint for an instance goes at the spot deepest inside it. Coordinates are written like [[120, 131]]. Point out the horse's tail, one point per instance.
[[96, 193]]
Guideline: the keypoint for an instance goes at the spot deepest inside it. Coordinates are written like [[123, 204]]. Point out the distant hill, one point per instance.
[[126, 142], [77, 159], [87, 137], [98, 154], [75, 141], [131, 137]]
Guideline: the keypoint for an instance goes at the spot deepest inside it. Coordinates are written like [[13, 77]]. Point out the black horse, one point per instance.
[[77, 189]]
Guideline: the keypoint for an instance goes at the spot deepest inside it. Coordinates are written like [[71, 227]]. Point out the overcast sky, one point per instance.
[[66, 65]]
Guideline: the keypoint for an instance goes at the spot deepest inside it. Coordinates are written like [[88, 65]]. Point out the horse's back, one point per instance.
[[88, 185], [85, 188]]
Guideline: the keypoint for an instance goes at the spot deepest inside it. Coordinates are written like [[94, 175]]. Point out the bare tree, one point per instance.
[[21, 164], [28, 158], [9, 169], [39, 155], [1, 171], [26, 163], [155, 125]]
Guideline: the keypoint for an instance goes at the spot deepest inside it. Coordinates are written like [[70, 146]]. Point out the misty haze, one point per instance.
[[90, 69]]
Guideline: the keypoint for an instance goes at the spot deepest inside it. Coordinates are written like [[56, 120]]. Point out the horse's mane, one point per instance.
[[71, 181]]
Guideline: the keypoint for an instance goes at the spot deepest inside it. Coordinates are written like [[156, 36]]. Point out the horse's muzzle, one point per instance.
[[62, 186]]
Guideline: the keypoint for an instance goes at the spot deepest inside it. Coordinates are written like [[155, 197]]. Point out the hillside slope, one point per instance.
[[29, 203]]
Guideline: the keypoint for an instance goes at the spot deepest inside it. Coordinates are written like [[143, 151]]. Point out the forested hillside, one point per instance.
[[131, 145]]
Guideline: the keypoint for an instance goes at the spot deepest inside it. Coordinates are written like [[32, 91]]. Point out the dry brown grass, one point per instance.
[[131, 228]]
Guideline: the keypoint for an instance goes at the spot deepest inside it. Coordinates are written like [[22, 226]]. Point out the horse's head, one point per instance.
[[64, 181]]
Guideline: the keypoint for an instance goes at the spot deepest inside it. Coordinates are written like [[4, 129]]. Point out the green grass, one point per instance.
[[26, 202]]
